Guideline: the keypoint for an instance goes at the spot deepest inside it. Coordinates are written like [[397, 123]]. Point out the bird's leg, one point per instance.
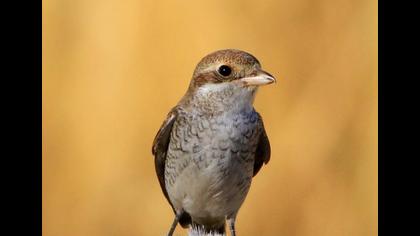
[[231, 223], [176, 220]]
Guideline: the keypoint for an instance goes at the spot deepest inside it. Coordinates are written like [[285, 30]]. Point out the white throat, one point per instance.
[[228, 97]]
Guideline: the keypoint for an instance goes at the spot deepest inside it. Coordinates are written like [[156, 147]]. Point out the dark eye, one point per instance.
[[225, 70]]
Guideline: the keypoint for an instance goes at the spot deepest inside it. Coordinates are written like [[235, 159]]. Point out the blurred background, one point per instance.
[[113, 69]]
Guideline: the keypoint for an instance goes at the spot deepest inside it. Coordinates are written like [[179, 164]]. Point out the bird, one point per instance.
[[213, 142]]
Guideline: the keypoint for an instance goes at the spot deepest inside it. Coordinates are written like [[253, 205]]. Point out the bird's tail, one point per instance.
[[203, 230], [185, 220]]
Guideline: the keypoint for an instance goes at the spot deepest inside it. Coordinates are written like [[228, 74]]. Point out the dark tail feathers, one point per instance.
[[185, 221]]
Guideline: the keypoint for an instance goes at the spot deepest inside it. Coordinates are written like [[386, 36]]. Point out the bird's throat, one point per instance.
[[222, 98]]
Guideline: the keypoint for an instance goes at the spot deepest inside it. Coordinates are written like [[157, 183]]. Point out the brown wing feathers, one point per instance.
[[263, 152], [159, 149]]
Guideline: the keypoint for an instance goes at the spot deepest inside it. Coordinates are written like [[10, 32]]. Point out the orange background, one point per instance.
[[112, 70]]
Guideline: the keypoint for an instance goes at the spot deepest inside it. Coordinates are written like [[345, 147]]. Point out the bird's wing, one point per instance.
[[262, 155], [160, 147], [159, 150]]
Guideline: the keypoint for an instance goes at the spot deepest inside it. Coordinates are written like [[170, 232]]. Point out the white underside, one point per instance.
[[197, 190]]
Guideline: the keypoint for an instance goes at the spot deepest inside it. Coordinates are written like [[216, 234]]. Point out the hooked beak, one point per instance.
[[261, 78]]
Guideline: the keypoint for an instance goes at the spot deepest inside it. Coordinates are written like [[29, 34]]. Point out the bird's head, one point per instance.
[[230, 77]]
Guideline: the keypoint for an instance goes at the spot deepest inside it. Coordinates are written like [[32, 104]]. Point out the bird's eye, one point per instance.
[[225, 70]]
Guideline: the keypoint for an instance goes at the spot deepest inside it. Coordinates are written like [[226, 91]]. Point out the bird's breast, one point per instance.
[[210, 160]]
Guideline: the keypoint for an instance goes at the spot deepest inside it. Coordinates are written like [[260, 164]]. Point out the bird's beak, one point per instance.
[[261, 78]]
